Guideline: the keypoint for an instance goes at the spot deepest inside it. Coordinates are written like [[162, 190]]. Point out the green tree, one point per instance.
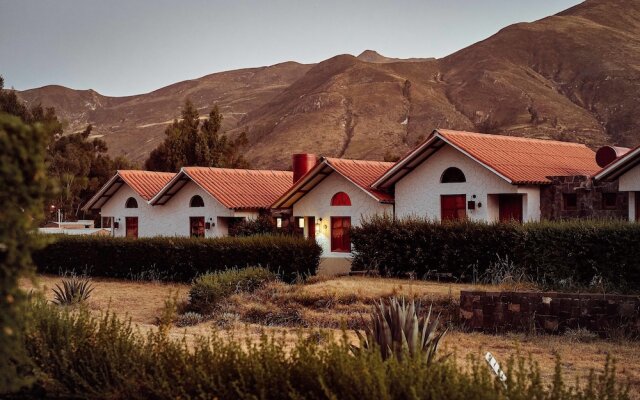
[[189, 143], [23, 183]]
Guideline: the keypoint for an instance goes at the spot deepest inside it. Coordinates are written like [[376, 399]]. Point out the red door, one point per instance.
[[131, 224], [311, 228], [340, 238], [453, 207], [510, 207], [196, 226]]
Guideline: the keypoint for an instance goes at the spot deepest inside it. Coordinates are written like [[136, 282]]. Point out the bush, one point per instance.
[[209, 289], [177, 259], [552, 253], [74, 290], [81, 356]]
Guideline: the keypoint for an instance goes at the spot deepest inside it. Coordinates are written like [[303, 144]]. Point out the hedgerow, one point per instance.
[[554, 253], [82, 356], [177, 259]]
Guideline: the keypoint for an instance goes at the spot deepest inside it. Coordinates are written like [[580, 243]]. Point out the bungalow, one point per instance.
[[197, 201], [123, 202], [205, 202], [626, 170], [333, 195], [456, 175]]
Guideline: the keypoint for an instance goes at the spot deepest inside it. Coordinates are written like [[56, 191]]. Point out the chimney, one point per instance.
[[606, 154], [302, 163]]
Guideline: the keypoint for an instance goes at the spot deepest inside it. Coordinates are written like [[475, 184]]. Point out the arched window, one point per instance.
[[131, 203], [340, 199], [196, 201], [452, 175]]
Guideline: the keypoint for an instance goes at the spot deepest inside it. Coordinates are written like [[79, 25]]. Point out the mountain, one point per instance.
[[572, 76]]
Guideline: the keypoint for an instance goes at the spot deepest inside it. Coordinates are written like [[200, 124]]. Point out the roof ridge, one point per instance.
[[509, 137], [260, 171], [358, 160]]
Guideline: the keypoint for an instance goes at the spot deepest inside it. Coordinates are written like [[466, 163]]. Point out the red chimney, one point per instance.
[[606, 154], [302, 163]]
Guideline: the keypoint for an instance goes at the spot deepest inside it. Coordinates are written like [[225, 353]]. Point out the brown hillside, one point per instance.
[[572, 76]]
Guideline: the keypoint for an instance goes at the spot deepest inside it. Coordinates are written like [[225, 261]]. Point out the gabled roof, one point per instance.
[[233, 188], [519, 161], [145, 183], [359, 172], [619, 166]]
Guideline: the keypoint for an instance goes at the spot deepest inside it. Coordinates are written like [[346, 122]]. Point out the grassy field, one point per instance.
[[332, 304]]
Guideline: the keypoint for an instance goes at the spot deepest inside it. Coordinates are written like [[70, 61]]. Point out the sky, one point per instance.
[[125, 47]]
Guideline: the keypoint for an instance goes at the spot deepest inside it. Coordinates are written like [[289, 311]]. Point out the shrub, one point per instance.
[[581, 252], [189, 318], [178, 259], [74, 290], [209, 289], [82, 356], [396, 331]]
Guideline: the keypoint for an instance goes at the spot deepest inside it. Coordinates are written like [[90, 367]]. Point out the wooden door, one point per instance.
[[453, 207], [131, 224], [196, 226], [311, 228], [340, 237], [510, 207]]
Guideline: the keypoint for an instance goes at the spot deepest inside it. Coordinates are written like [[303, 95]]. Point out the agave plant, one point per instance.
[[73, 290], [395, 330]]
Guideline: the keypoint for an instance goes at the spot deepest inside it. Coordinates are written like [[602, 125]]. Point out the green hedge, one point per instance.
[[551, 252], [176, 259]]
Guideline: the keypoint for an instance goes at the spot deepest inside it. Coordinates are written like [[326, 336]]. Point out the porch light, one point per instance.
[[318, 226], [279, 222], [301, 222]]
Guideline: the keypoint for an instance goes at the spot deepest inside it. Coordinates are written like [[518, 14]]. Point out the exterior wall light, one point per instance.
[[279, 222], [318, 225], [301, 222]]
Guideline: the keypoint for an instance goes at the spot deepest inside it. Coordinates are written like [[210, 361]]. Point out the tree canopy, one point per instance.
[[191, 143]]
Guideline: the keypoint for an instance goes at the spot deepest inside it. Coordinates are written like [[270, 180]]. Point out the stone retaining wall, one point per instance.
[[550, 312]]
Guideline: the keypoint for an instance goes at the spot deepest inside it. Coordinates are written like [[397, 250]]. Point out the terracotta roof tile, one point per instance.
[[522, 160], [146, 183], [363, 173], [241, 188]]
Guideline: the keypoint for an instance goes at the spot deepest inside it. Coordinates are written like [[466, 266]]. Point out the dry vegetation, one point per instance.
[[341, 302]]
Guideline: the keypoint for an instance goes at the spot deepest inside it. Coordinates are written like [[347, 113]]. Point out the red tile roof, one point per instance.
[[146, 183], [521, 161], [363, 173], [236, 188]]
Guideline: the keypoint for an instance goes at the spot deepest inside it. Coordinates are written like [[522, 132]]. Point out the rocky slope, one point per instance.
[[571, 76]]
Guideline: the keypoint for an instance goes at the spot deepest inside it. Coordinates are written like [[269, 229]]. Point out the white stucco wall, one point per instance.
[[418, 193], [317, 203], [172, 218], [630, 181]]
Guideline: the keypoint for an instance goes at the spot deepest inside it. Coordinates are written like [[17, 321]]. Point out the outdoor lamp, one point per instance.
[[301, 222], [279, 222]]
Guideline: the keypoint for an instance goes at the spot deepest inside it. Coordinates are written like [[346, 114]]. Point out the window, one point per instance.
[[609, 201], [196, 201], [196, 226], [340, 236], [131, 225], [569, 201], [131, 203], [453, 207], [340, 199], [452, 175]]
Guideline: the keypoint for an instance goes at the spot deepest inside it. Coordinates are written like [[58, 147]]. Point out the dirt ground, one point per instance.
[[329, 304]]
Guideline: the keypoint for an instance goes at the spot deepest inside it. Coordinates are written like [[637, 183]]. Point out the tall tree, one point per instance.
[[189, 143]]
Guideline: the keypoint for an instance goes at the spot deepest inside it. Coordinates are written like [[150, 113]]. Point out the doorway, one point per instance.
[[131, 227], [510, 206], [453, 207]]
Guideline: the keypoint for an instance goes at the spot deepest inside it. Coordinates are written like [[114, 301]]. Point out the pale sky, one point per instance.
[[123, 47]]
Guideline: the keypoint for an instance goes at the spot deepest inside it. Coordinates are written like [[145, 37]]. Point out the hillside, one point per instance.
[[571, 76]]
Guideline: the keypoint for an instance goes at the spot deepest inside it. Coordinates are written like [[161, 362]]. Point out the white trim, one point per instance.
[[616, 164], [474, 159], [104, 188], [168, 185]]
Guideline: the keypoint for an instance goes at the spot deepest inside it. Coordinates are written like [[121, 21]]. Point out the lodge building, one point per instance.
[[450, 175]]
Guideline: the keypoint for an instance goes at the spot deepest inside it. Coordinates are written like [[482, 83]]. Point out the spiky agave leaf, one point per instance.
[[73, 290], [396, 330]]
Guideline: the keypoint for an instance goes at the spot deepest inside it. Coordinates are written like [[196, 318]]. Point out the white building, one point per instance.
[[626, 169], [457, 175], [197, 201], [330, 198]]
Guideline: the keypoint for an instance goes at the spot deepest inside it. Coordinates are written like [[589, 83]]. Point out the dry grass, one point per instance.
[[331, 303]]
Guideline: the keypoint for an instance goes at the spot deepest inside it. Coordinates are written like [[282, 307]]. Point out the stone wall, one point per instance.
[[551, 312], [590, 202]]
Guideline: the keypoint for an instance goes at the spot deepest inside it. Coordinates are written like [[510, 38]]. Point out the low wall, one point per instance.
[[550, 312]]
